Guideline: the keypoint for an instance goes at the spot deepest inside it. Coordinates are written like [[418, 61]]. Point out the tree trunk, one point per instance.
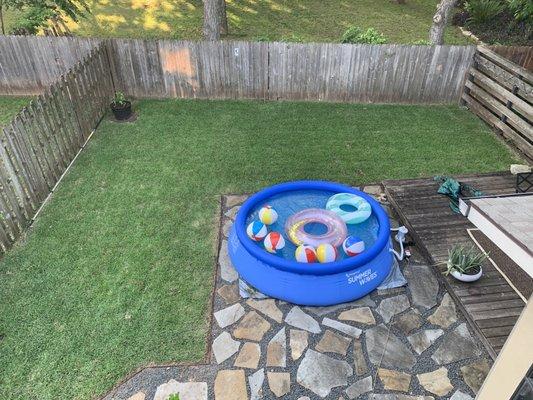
[[440, 19], [223, 17], [2, 17], [211, 20]]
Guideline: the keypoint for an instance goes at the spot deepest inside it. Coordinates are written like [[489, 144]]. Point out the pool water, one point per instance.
[[291, 202]]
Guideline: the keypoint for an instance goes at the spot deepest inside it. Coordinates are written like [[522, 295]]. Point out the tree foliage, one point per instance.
[[35, 13]]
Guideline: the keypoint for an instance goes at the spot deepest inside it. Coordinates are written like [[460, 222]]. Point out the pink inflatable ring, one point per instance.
[[336, 227]]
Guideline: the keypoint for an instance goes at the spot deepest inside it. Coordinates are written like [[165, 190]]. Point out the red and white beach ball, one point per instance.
[[268, 215], [256, 231], [274, 242], [305, 254], [325, 253], [353, 246]]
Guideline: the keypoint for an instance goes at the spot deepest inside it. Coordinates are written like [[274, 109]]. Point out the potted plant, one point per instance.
[[121, 107], [464, 264]]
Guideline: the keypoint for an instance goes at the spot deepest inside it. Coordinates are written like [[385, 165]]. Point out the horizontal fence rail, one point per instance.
[[29, 64], [289, 71], [521, 55], [41, 141], [501, 93]]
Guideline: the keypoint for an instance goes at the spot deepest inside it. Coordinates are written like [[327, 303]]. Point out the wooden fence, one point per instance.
[[521, 55], [252, 70], [501, 93], [42, 140], [289, 71], [29, 64]]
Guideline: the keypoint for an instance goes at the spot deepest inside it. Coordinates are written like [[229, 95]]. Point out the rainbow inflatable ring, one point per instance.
[[332, 283]]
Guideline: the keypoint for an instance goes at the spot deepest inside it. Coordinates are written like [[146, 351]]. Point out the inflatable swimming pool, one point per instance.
[[281, 276]]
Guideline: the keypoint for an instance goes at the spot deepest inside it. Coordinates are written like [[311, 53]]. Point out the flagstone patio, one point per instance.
[[405, 343]]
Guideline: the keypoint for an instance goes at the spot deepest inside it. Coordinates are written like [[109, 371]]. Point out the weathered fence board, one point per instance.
[[501, 93], [252, 70], [41, 141], [362, 73], [29, 64], [520, 55]]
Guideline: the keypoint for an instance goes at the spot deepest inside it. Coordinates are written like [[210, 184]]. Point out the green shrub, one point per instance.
[[293, 38], [354, 34], [423, 42], [263, 38], [31, 20], [483, 10], [174, 397], [522, 10]]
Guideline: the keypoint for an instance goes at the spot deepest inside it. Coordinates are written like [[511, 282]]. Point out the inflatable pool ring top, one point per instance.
[[336, 228], [362, 211]]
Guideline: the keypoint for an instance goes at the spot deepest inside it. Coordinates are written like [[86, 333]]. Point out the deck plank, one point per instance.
[[490, 305]]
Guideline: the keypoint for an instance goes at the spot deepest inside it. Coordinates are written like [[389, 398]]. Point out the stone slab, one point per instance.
[[436, 382], [298, 341], [299, 319], [255, 382], [385, 349], [342, 327], [268, 308], [475, 373], [391, 306], [362, 315], [224, 347], [320, 373], [456, 346], [362, 386], [445, 314], [227, 271], [249, 356], [251, 327], [394, 380], [423, 286], [277, 350], [230, 385], [332, 342], [420, 341], [279, 383], [186, 390], [229, 315]]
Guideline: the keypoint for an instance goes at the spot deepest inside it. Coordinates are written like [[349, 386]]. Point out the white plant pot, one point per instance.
[[467, 278]]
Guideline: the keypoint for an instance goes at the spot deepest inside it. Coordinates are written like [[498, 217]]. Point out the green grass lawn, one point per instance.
[[10, 106], [290, 20], [117, 271]]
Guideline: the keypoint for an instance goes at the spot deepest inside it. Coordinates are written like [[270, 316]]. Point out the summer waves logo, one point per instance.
[[361, 277]]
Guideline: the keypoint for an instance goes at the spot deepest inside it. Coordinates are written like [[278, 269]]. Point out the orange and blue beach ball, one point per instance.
[[256, 231], [353, 246]]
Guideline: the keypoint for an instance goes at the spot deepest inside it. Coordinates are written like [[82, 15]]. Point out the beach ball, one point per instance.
[[325, 253], [353, 246], [274, 242], [268, 215], [305, 254], [256, 231]]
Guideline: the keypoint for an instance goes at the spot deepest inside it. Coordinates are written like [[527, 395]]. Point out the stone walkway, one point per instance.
[[406, 344]]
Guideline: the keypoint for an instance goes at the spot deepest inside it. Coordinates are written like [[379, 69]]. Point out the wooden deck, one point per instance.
[[490, 304]]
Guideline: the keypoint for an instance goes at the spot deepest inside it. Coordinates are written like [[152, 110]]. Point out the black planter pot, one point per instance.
[[121, 112]]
